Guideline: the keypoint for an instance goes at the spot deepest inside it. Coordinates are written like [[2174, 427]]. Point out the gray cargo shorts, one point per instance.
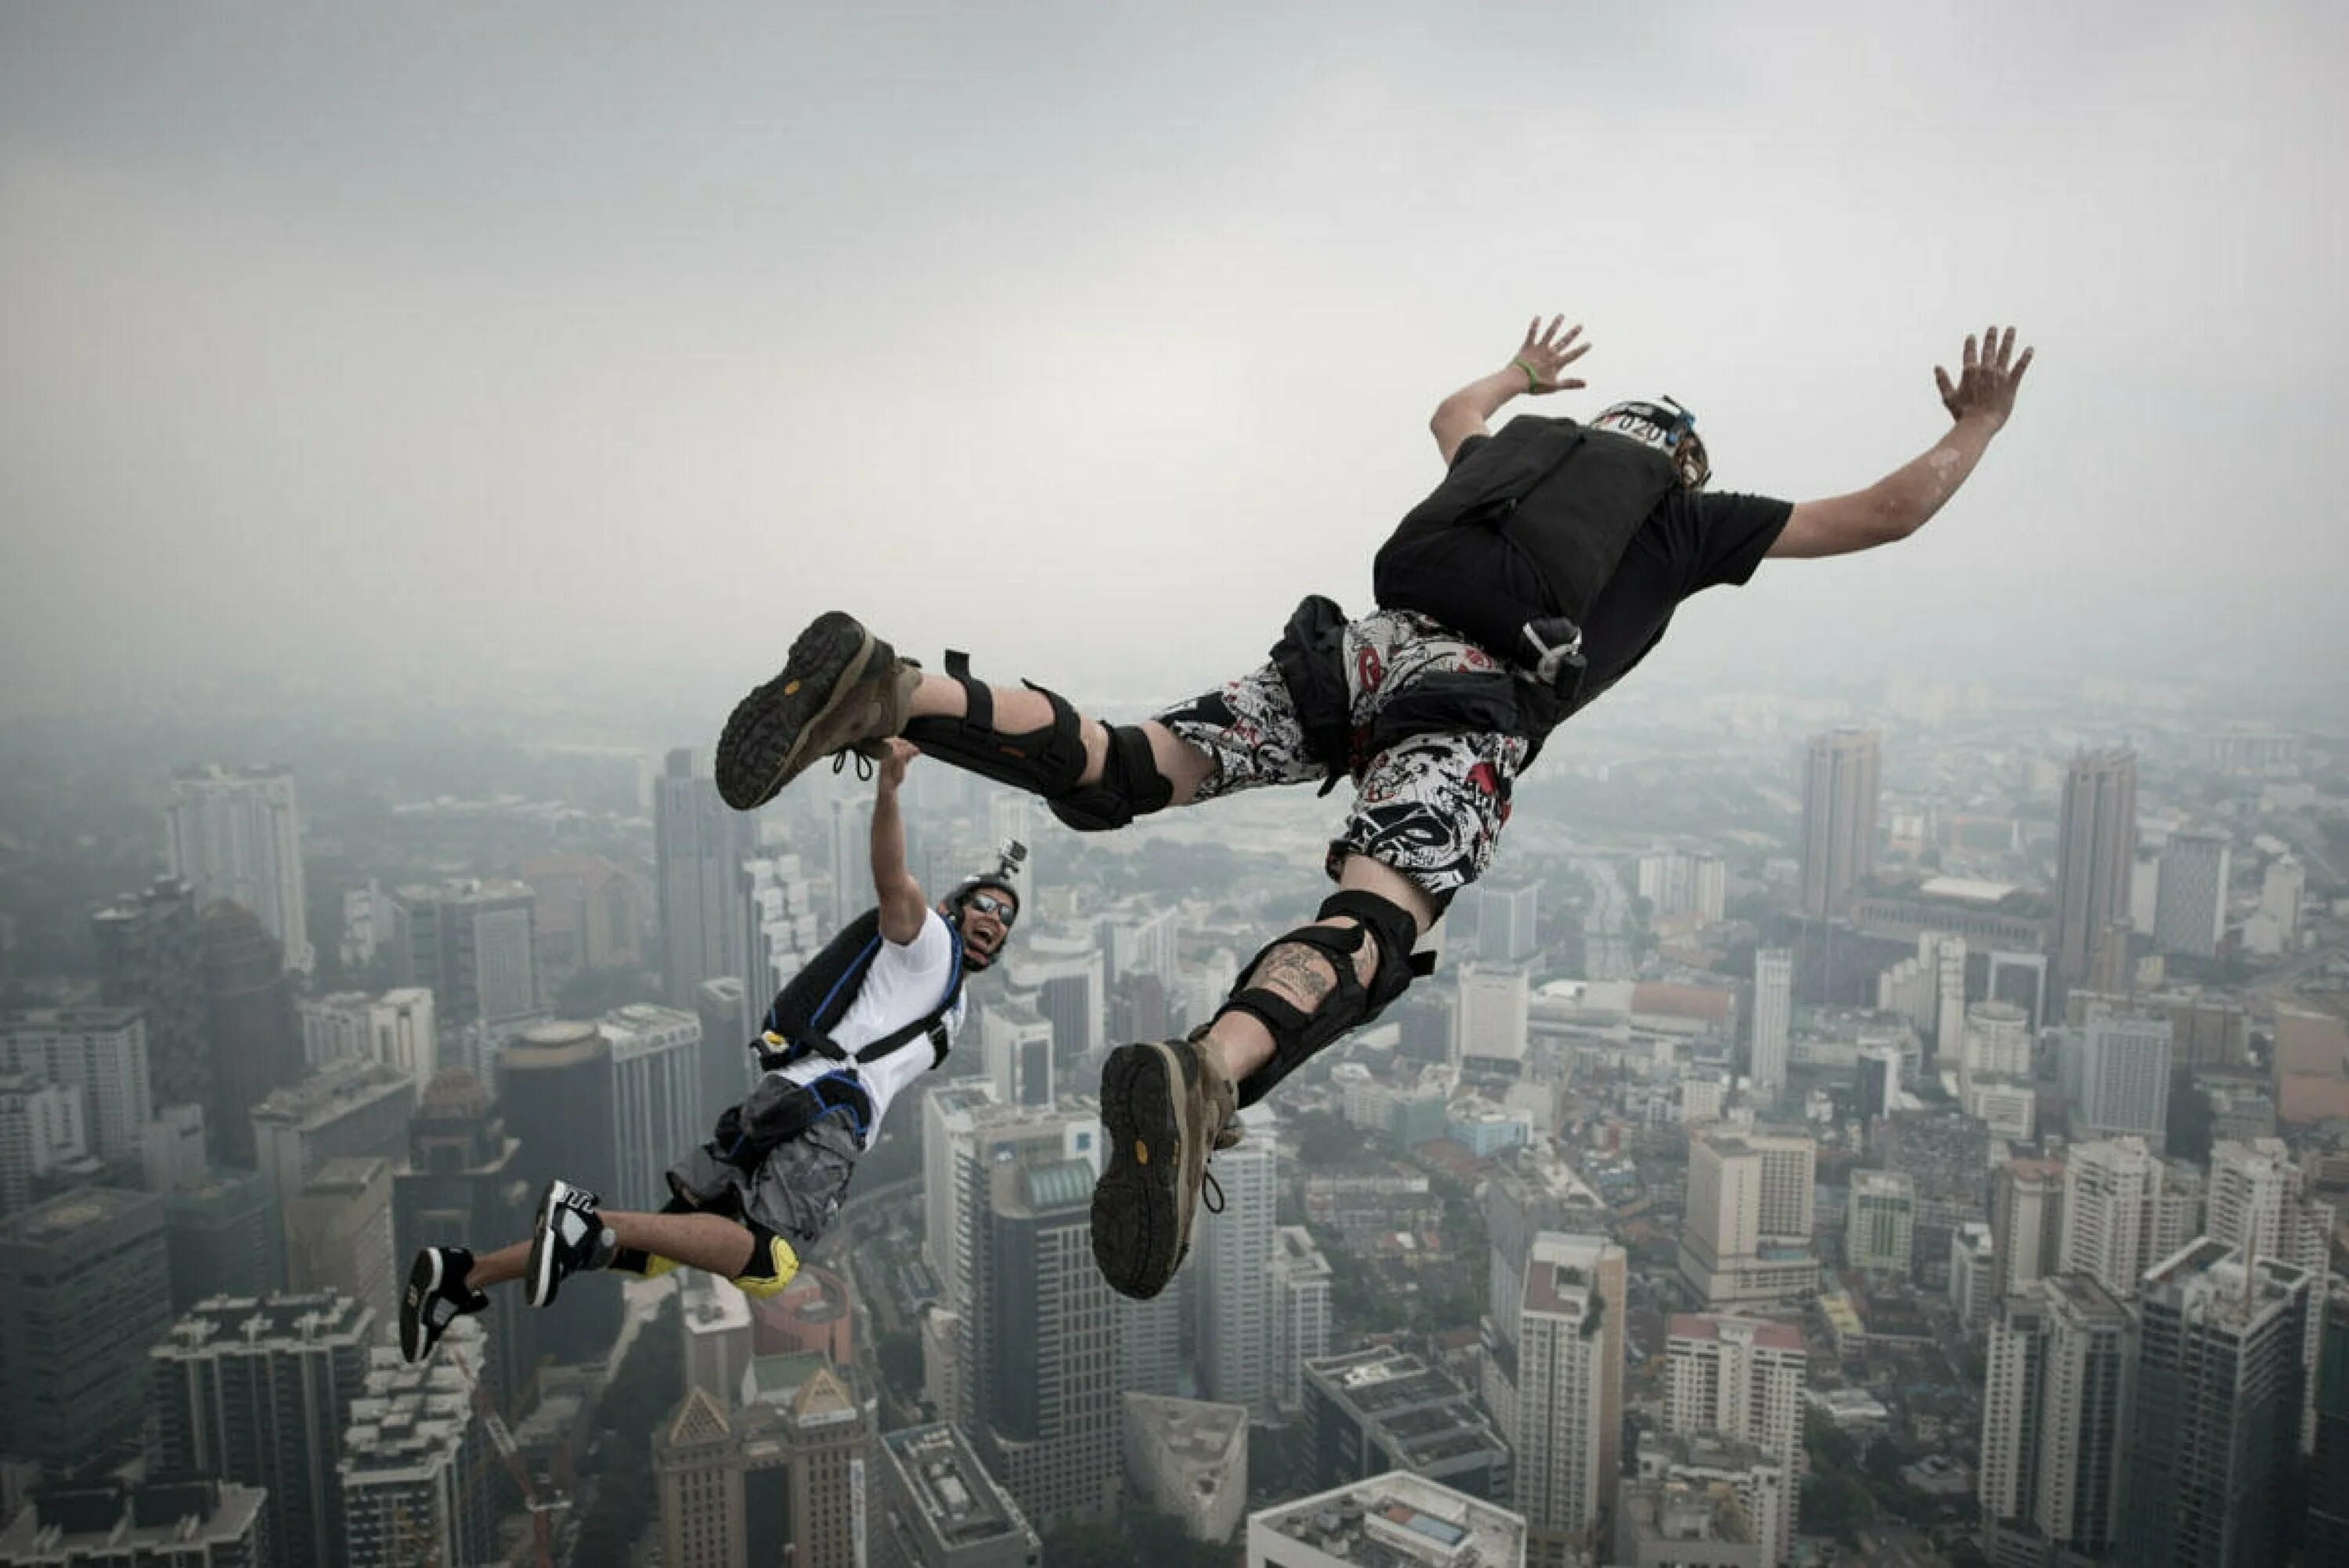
[[794, 1191]]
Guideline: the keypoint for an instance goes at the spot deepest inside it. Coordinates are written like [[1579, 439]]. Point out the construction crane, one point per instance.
[[502, 1437]]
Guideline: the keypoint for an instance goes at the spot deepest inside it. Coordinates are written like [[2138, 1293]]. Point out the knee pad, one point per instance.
[[1130, 786], [774, 1264], [1297, 1034], [1046, 761]]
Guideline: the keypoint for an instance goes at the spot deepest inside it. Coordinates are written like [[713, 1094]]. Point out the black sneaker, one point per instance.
[[437, 1296], [568, 1237], [1166, 1106], [841, 689]]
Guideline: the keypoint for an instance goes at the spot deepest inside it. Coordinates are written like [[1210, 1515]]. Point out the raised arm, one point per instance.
[[903, 907], [1899, 504], [1534, 372]]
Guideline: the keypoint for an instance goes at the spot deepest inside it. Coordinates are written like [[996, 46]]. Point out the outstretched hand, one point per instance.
[[893, 765], [1546, 352], [1986, 379]]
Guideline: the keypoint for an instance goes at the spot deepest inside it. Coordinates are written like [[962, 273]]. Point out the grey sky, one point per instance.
[[1091, 337]]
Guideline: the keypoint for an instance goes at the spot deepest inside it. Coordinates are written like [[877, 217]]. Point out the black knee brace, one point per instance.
[[1297, 1034], [1046, 761]]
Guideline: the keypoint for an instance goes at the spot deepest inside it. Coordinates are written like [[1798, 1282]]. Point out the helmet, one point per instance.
[[998, 879], [1669, 428]]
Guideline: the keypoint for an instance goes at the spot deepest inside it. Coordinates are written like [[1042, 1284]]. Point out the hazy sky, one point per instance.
[[1090, 336]]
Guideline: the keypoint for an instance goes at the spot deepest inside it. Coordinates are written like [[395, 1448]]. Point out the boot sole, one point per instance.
[[1137, 1202], [764, 745], [416, 1336]]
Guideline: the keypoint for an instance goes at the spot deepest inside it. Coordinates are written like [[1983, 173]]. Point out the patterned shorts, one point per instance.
[[1430, 807], [795, 1191]]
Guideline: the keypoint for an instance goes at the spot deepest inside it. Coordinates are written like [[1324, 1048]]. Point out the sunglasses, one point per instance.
[[1002, 909]]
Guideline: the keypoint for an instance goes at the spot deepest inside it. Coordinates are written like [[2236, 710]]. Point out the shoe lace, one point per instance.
[[840, 759], [1211, 1191]]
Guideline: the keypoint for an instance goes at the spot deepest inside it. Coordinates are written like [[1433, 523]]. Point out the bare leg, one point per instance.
[[1018, 710], [1303, 975], [710, 1243]]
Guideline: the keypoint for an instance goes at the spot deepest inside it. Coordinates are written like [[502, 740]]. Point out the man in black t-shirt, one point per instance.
[[1542, 569]]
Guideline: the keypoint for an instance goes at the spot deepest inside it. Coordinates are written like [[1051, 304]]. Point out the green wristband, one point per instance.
[[1533, 382]]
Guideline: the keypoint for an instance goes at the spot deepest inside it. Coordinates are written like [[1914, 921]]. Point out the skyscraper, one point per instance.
[[2026, 1222], [1569, 1395], [2053, 1407], [256, 1037], [395, 1029], [237, 835], [2190, 915], [150, 956], [699, 847], [2095, 853], [416, 1461], [1840, 796], [2120, 1213], [556, 1086], [338, 1237], [86, 1297], [2326, 1541], [656, 1099], [942, 1510], [1773, 1018], [1016, 1041], [2216, 1404], [782, 929], [1509, 921], [1235, 1293], [2261, 1205], [258, 1393], [1747, 1232], [724, 1067], [1879, 1222], [100, 1051], [769, 1481], [473, 945], [224, 1236], [2124, 1078], [1743, 1378], [1301, 1312]]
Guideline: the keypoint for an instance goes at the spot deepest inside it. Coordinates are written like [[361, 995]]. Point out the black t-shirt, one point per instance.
[[1688, 543]]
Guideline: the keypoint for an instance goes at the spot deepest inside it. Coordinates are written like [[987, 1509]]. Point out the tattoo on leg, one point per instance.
[[1298, 973]]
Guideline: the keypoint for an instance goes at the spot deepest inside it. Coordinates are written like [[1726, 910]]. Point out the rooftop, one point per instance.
[[951, 1487], [1709, 1327], [84, 1211], [333, 1093], [1400, 1521]]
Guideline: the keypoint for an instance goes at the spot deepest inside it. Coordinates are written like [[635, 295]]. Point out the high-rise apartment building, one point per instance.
[[1743, 1378], [2062, 1351], [418, 1469], [357, 1112], [1016, 1042], [1496, 1000], [656, 1099], [1680, 886], [474, 945], [225, 1235], [1773, 1019], [338, 1237], [150, 956], [1301, 1313], [2216, 1402], [948, 1112], [2190, 915], [42, 1130], [1509, 921], [2026, 1222], [1746, 1236], [782, 929], [1879, 1223], [258, 1393], [87, 1292], [1840, 798], [2260, 1204], [700, 849], [1569, 1396], [1235, 1296], [2124, 1078], [1067, 977], [2096, 854], [100, 1052], [2123, 1211], [395, 1029], [237, 835]]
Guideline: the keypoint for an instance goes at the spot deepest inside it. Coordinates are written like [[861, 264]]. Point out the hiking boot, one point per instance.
[[569, 1237], [843, 689], [1166, 1106], [437, 1296]]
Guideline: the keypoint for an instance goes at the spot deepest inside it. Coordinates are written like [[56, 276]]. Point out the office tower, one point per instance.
[[1700, 1499], [1509, 921], [1301, 1313], [1145, 941], [237, 835], [473, 945], [87, 1292], [2325, 1540], [2020, 979], [172, 1147], [1773, 1019], [258, 1393], [2096, 852], [849, 860], [1397, 1521], [1042, 1362], [1972, 1270], [699, 847], [224, 1236], [1156, 1339], [946, 1122], [782, 930], [2122, 1213], [100, 1051], [1525, 1195], [461, 1188], [2215, 1405], [2124, 1079], [590, 915], [338, 1237], [2191, 915], [164, 1524], [395, 1029], [769, 1481], [940, 1508], [416, 1471], [1839, 809], [724, 1067], [2026, 1221], [42, 1128], [150, 956], [1949, 961], [1680, 885], [1879, 1221], [1066, 976], [656, 1099], [1384, 1409], [1997, 1042], [2062, 1351], [1235, 1292], [1743, 1378], [1494, 1003], [1187, 1459], [1747, 1232], [1016, 1042], [257, 1038], [2259, 1205], [695, 1457], [2281, 888], [1570, 1394], [554, 1085], [357, 1112], [1880, 1080]]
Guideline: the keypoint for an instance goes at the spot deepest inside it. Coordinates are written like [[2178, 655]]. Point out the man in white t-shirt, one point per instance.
[[872, 1012]]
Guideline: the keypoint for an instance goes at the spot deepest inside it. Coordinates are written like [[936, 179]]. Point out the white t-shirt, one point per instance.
[[903, 984]]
